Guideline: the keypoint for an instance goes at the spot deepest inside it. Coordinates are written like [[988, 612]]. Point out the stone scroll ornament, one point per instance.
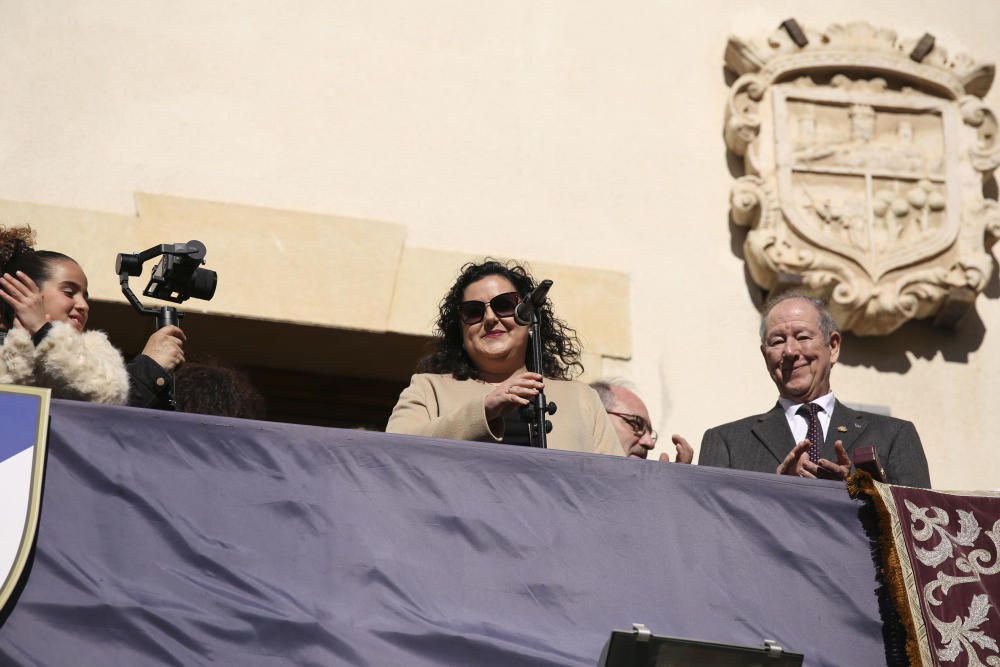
[[866, 160], [939, 555]]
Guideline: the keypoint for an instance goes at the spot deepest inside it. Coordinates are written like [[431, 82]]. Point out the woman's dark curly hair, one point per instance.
[[213, 388], [17, 253], [561, 348]]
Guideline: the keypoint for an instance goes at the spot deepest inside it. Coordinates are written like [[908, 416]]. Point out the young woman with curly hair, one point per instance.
[[43, 339], [473, 383]]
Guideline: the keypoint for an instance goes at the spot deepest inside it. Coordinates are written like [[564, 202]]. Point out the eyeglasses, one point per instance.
[[639, 425], [503, 305]]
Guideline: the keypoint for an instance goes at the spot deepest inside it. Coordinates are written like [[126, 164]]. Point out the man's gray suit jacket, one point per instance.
[[760, 443]]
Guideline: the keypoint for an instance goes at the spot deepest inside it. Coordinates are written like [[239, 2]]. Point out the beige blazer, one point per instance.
[[439, 406]]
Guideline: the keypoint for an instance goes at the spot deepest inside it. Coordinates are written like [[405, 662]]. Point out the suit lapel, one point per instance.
[[846, 425], [773, 432]]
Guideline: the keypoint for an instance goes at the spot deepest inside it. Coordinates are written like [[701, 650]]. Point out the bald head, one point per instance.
[[629, 417]]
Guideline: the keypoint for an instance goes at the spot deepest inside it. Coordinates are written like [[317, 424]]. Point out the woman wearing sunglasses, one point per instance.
[[473, 383]]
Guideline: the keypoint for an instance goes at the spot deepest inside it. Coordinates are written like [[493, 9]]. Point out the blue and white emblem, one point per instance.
[[24, 422]]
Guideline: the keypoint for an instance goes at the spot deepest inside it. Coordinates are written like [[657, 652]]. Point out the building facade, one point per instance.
[[341, 160]]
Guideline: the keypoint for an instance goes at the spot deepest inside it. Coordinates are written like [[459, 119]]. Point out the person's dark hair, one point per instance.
[[17, 253], [561, 348], [211, 388], [827, 325]]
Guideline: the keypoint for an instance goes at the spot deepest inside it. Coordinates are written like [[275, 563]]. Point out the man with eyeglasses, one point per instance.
[[630, 419]]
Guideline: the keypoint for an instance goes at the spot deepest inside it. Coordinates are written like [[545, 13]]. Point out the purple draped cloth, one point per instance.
[[186, 540]]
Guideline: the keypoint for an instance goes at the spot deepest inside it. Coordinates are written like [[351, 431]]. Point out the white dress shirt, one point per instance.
[[800, 424]]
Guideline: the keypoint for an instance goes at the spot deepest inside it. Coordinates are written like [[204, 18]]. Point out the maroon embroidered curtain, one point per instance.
[[939, 552]]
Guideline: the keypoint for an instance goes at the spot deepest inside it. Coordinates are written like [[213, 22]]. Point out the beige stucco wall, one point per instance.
[[582, 134]]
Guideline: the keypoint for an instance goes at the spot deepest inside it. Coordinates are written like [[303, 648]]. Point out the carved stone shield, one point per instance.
[[24, 420], [864, 174]]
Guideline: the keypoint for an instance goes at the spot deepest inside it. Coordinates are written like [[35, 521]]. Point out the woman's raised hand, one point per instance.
[[515, 391], [23, 296]]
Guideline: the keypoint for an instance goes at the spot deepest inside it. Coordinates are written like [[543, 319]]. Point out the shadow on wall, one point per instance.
[[920, 338]]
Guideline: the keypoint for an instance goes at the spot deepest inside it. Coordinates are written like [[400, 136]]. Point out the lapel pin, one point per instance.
[[842, 429]]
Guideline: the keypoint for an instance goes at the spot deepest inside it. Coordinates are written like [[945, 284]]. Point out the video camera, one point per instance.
[[176, 278]]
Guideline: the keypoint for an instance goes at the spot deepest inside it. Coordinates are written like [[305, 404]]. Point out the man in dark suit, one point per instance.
[[800, 344]]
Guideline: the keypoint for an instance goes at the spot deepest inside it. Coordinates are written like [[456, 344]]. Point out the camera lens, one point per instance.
[[203, 284]]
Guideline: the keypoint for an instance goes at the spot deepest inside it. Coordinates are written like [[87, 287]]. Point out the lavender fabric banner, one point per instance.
[[186, 540]]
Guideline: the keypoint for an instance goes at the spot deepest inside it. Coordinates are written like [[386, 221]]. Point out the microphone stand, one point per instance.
[[535, 413]]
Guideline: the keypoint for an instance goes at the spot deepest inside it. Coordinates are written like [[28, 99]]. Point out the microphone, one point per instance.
[[531, 303]]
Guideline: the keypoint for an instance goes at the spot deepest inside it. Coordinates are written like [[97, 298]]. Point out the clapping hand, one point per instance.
[[685, 452], [797, 463]]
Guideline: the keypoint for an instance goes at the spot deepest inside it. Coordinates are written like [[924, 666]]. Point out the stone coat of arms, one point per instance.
[[866, 162]]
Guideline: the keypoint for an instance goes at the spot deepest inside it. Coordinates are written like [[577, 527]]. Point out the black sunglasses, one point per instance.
[[503, 305]]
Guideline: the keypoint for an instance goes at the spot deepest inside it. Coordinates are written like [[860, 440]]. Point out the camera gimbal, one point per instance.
[[176, 278]]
